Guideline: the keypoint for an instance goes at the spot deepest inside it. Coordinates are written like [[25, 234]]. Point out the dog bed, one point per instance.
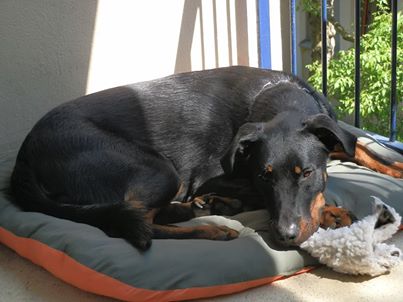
[[176, 270]]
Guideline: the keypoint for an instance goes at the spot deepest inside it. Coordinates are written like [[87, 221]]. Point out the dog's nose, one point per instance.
[[288, 235]]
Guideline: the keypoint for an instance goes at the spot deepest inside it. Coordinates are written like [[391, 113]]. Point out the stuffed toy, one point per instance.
[[359, 249]]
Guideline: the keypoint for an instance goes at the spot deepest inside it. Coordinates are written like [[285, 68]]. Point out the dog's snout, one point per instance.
[[288, 234]]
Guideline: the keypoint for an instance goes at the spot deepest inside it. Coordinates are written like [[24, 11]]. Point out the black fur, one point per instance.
[[89, 159]]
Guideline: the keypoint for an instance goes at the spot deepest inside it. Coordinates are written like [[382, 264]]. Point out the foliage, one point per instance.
[[311, 6], [375, 76], [314, 6]]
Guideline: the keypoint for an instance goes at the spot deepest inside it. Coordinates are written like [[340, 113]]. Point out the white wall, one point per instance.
[[141, 40]]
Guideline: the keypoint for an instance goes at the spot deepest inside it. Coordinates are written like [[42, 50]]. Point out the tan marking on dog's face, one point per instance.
[[309, 226], [316, 207], [269, 168], [298, 170]]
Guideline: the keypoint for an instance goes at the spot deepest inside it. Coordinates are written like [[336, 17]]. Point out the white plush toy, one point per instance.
[[359, 248]]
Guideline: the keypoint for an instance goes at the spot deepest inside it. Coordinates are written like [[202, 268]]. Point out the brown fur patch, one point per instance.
[[308, 227], [397, 165], [269, 168], [297, 170], [365, 158], [335, 217], [316, 208]]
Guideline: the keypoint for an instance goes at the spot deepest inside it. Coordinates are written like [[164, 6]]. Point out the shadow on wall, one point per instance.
[[194, 15], [44, 60]]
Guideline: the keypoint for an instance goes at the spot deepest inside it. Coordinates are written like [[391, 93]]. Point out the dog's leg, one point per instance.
[[182, 212], [211, 232], [367, 157], [174, 213]]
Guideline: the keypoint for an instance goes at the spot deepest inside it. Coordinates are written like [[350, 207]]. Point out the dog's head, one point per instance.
[[286, 159]]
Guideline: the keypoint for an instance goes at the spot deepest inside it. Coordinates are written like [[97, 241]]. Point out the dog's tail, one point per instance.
[[115, 219]]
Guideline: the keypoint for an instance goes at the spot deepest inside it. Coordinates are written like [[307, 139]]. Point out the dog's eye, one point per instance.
[[306, 173], [265, 175]]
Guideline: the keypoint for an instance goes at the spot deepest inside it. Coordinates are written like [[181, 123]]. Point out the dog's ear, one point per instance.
[[247, 134], [330, 134]]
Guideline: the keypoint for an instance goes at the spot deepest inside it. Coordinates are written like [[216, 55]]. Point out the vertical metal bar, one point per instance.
[[393, 103], [264, 33], [324, 47], [293, 38], [357, 86]]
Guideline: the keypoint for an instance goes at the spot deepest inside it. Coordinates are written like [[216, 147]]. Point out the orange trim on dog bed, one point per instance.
[[69, 270]]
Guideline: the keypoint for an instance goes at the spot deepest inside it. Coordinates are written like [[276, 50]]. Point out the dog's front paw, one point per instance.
[[218, 205]]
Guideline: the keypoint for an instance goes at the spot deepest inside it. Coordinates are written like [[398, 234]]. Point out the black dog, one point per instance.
[[117, 158]]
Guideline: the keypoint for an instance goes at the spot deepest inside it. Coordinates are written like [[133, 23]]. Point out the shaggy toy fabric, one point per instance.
[[359, 248]]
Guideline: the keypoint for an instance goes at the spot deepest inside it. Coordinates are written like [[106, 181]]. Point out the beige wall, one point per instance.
[[45, 48], [52, 51]]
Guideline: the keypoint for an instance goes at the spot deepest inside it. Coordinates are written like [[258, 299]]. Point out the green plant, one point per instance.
[[375, 76]]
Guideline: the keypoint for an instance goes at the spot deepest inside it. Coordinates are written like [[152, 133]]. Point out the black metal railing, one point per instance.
[[357, 21], [393, 92], [357, 73]]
